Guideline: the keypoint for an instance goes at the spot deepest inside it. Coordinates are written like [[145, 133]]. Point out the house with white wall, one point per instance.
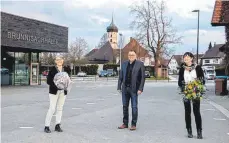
[[174, 64], [213, 56]]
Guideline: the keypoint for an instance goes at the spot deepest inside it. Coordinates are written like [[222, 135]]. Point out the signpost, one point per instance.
[[71, 66]]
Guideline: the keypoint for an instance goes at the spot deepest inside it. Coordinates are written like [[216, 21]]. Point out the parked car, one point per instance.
[[81, 74], [103, 73], [4, 70], [147, 74], [45, 73], [110, 72]]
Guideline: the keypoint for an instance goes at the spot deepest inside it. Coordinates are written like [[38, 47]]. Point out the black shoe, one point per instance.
[[190, 133], [47, 130], [199, 134], [57, 128]]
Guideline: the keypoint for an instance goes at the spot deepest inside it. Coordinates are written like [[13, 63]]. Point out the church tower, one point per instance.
[[112, 34]]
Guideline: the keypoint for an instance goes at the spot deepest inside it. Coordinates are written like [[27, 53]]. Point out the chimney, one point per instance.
[[210, 46]]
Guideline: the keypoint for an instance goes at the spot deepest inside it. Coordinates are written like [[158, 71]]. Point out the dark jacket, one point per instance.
[[199, 74], [138, 76], [52, 87]]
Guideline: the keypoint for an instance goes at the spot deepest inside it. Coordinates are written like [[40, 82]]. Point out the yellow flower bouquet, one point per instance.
[[194, 90]]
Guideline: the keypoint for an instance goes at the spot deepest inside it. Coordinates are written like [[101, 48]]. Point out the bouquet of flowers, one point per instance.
[[62, 81], [194, 90]]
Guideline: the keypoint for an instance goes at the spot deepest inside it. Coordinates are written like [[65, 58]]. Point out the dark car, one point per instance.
[[103, 73], [147, 74]]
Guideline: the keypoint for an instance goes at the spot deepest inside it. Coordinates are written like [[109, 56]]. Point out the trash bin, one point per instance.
[[221, 85]]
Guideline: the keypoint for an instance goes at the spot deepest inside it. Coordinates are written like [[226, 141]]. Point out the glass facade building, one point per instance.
[[22, 42]]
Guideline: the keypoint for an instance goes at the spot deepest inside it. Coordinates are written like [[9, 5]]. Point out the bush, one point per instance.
[[89, 69], [158, 78], [111, 66]]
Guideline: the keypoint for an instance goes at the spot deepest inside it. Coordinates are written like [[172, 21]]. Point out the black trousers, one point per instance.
[[127, 95], [196, 111]]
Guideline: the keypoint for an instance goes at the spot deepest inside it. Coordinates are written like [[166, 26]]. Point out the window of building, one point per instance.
[[111, 40], [207, 61], [22, 67]]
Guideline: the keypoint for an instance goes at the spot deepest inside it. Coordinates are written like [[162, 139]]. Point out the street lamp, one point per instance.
[[197, 50], [120, 49]]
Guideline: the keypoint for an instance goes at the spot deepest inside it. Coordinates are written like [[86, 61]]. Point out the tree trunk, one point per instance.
[[156, 67]]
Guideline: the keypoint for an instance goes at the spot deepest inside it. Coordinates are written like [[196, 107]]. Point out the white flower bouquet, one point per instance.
[[63, 81]]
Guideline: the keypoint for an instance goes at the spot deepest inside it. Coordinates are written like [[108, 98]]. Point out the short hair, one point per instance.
[[59, 56], [188, 54], [133, 51]]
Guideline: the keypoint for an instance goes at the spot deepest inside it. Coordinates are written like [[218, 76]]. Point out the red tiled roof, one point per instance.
[[220, 15]]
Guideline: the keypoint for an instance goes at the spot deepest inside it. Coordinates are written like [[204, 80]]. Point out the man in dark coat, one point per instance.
[[130, 84]]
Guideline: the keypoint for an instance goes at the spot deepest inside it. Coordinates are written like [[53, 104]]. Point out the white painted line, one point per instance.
[[227, 133], [209, 110], [101, 99], [220, 108], [25, 127], [90, 103], [72, 99], [219, 119], [76, 108]]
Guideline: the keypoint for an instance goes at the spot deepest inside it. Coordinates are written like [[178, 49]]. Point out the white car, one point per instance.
[[81, 74]]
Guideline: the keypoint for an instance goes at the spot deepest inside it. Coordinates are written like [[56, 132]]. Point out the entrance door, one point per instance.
[[34, 74]]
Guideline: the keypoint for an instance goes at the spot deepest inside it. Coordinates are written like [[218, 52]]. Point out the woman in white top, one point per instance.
[[190, 72]]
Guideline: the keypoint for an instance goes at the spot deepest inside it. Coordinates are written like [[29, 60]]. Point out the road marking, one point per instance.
[[227, 133], [76, 108], [90, 103], [101, 99], [72, 99], [115, 93], [219, 119], [220, 108], [209, 110], [25, 127]]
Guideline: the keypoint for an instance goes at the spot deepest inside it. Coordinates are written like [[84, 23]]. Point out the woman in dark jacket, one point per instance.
[[56, 96], [190, 72]]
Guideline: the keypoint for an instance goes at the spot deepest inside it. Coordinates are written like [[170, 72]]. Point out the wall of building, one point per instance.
[[112, 37], [173, 65], [212, 61], [20, 32]]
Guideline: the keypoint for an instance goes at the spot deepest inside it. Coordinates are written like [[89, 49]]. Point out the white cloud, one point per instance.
[[206, 36], [97, 3], [99, 19], [28, 12], [184, 7]]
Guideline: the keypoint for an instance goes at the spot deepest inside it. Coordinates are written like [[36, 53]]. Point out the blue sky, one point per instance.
[[89, 18]]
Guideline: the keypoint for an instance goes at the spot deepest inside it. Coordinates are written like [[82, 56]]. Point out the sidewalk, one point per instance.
[[221, 100]]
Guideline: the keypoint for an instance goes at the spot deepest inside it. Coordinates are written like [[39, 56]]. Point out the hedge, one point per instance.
[[89, 69], [111, 66]]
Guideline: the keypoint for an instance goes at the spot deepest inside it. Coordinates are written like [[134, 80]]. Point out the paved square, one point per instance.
[[93, 111]]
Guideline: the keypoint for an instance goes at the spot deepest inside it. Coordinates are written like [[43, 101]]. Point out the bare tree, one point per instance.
[[103, 40], [48, 58], [154, 29], [77, 50]]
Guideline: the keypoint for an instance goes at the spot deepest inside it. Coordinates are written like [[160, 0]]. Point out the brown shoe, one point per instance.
[[123, 126], [133, 128]]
